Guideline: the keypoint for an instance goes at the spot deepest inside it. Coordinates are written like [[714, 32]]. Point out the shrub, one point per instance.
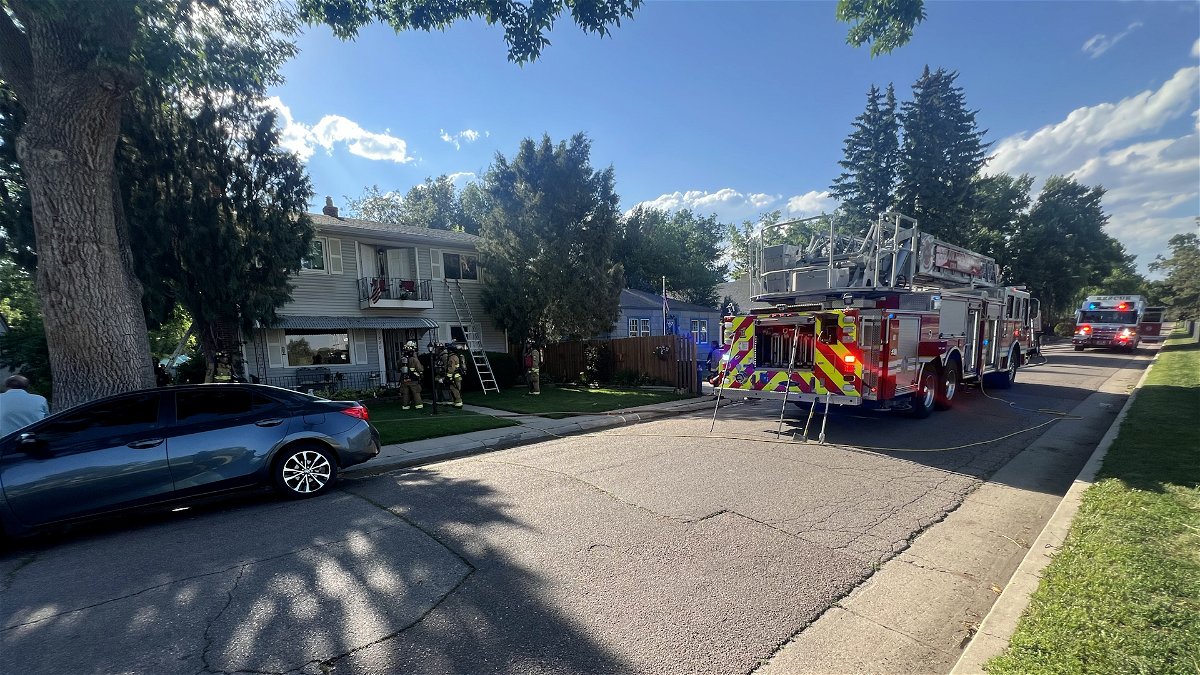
[[629, 377], [1065, 329]]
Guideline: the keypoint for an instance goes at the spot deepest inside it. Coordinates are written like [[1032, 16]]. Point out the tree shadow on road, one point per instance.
[[250, 583]]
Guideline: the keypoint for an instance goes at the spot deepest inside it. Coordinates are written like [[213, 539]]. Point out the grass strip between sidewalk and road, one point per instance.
[[1123, 594]]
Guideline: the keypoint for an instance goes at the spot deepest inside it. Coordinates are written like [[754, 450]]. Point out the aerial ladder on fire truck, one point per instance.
[[892, 254]]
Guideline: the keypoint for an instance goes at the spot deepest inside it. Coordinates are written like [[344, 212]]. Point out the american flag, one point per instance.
[[377, 290]]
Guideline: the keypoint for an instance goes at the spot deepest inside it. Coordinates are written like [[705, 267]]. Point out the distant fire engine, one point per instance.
[[896, 319], [1120, 321]]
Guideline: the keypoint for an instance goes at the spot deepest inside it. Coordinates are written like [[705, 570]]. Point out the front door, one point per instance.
[[95, 458]]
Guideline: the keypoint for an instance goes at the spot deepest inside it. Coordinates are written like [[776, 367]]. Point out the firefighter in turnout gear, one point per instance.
[[410, 378], [533, 366], [454, 374]]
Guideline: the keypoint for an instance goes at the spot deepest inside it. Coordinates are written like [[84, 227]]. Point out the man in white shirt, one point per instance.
[[18, 407]]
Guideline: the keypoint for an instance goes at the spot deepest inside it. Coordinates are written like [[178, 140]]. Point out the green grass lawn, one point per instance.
[[557, 402], [1123, 594], [402, 426]]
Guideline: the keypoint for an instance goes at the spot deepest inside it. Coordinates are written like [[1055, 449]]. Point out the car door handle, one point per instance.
[[273, 422], [148, 443]]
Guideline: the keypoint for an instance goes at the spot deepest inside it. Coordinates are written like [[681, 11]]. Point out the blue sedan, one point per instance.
[[176, 443]]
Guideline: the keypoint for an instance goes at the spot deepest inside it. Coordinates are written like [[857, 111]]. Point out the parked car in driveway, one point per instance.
[[175, 443]]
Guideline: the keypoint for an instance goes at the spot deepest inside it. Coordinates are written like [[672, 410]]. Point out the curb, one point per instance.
[[998, 626], [522, 435]]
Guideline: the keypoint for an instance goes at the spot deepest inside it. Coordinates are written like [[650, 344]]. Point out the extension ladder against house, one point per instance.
[[473, 332]]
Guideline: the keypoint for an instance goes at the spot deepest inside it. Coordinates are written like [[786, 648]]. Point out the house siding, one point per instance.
[[327, 294], [323, 294]]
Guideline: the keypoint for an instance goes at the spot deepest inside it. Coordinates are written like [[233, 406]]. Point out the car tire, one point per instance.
[[1078, 348], [925, 395], [951, 375], [304, 471]]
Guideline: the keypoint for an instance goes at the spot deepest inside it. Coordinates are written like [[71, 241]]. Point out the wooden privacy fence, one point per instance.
[[668, 360]]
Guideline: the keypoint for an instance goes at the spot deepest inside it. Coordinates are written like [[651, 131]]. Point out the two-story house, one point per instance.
[[363, 291]]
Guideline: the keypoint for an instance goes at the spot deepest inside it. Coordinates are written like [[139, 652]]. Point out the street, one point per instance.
[[660, 547]]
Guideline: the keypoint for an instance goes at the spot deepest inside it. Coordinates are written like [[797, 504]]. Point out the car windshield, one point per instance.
[[1109, 316]]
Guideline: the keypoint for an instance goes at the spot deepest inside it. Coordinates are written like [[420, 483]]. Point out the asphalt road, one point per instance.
[[656, 548]]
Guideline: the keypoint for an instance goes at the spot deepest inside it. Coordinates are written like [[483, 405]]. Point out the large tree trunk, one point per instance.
[[91, 300]]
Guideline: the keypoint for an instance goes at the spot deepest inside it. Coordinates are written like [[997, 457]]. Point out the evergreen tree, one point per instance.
[[941, 153], [219, 210], [548, 238], [680, 246], [872, 150]]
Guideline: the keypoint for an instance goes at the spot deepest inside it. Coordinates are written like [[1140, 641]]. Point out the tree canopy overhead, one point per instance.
[[525, 24]]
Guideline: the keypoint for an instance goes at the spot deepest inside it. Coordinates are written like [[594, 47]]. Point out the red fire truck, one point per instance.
[[896, 319]]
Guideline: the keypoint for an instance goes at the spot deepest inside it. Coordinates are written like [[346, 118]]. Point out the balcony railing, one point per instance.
[[374, 289]]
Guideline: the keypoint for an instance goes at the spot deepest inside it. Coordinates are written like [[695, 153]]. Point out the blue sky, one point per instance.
[[736, 108]]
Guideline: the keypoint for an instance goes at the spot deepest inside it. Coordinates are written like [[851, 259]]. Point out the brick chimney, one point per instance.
[[330, 210]]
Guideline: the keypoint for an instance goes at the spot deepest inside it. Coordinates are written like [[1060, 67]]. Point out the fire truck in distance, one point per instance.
[[895, 319], [1117, 321]]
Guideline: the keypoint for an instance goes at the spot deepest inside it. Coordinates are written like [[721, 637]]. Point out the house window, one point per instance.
[[460, 266], [633, 328], [317, 348], [700, 330], [639, 327], [315, 260]]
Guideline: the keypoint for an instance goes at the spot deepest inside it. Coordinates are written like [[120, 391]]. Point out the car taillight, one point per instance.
[[358, 411], [1083, 330]]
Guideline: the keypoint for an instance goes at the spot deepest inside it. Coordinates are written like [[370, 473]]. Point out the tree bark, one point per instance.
[[90, 297]]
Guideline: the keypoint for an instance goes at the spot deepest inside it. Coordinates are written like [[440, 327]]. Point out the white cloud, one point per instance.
[[455, 177], [464, 136], [811, 204], [1196, 49], [730, 205], [1152, 184], [1098, 44], [334, 129]]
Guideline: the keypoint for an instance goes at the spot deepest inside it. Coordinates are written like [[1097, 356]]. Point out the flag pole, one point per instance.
[[664, 304]]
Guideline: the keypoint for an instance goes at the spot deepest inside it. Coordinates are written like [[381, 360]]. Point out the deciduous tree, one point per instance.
[[71, 65], [1064, 249], [884, 24], [1181, 288], [681, 246]]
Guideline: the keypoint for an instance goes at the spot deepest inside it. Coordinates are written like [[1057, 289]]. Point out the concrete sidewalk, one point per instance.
[[530, 429]]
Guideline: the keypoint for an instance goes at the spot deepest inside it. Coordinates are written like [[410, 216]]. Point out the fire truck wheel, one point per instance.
[[947, 385], [1004, 380], [927, 386]]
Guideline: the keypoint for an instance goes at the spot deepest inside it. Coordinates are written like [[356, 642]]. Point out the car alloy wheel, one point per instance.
[[304, 472]]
